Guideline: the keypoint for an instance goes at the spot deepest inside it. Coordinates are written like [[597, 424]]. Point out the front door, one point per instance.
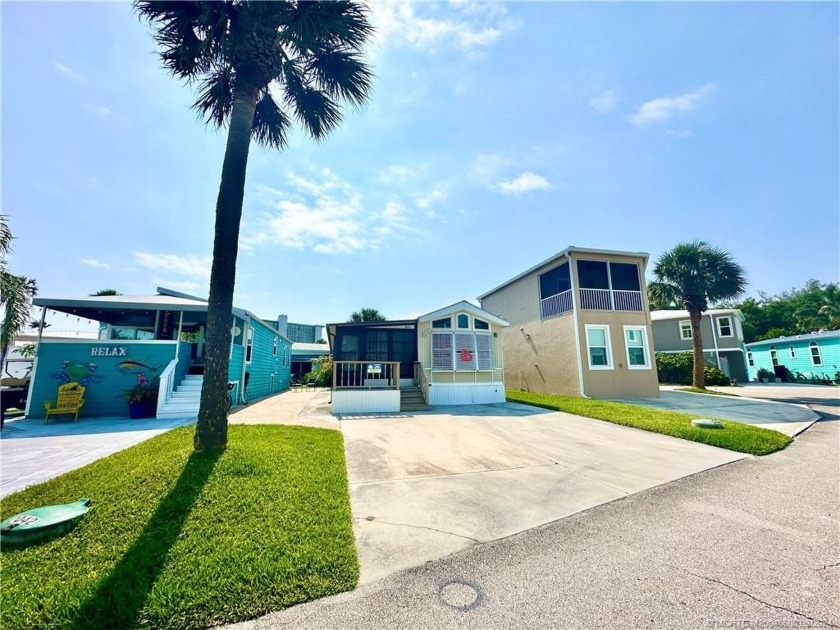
[[403, 349]]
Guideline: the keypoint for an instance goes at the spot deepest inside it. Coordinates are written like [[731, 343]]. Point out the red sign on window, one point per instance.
[[465, 355]]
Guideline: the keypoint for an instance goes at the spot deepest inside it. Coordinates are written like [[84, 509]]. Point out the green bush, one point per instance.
[[321, 374], [678, 368]]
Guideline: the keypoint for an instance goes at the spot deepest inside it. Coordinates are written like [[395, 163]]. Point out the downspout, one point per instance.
[[246, 328], [577, 326], [714, 339]]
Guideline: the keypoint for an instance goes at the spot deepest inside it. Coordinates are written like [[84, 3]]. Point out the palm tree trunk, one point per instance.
[[211, 429], [699, 378]]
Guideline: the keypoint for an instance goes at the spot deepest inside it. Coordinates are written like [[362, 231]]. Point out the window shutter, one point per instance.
[[441, 351], [484, 349], [465, 351]]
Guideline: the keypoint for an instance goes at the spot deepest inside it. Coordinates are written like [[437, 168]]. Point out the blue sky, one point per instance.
[[497, 135]]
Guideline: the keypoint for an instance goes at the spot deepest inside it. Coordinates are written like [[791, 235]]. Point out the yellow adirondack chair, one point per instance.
[[71, 397]]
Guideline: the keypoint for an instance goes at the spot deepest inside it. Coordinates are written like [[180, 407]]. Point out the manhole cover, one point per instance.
[[461, 595]]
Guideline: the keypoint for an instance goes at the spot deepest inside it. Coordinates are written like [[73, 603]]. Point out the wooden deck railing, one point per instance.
[[366, 375]]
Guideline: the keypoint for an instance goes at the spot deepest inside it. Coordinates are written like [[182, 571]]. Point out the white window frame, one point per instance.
[[490, 358], [448, 334], [458, 323], [454, 351], [729, 325], [774, 356], [645, 348], [274, 347], [249, 343], [750, 359], [792, 351], [683, 330], [608, 341], [815, 346]]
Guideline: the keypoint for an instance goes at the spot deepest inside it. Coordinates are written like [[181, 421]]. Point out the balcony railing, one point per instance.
[[606, 300], [366, 375], [556, 304]]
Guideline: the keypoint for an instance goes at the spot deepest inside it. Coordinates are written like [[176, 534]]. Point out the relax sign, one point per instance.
[[98, 351]]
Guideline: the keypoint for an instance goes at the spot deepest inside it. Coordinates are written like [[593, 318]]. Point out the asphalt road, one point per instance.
[[753, 544]]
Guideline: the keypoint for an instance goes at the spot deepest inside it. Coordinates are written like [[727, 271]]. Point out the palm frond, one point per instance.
[[315, 110], [342, 74], [311, 27], [5, 236], [17, 292], [215, 96], [270, 123]]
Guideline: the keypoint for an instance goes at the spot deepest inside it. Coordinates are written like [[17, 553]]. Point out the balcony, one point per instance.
[[556, 304], [606, 300]]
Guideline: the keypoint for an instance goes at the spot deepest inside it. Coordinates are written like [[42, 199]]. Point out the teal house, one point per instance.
[[815, 355], [157, 339]]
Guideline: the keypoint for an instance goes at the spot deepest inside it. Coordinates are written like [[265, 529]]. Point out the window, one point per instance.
[[635, 339], [465, 351], [348, 348], [598, 345], [592, 274], [750, 360], [484, 351], [774, 356], [816, 357], [274, 347], [463, 321], [624, 277], [792, 351], [376, 345], [249, 344], [555, 281], [480, 325], [446, 322], [724, 325], [685, 330], [441, 351]]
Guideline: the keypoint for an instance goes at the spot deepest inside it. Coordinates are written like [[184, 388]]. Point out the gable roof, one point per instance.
[[461, 306], [569, 250], [814, 336], [660, 315]]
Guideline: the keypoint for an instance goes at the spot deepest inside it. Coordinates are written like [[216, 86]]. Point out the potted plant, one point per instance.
[[142, 398], [764, 375]]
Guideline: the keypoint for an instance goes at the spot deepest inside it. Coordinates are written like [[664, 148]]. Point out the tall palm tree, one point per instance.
[[367, 315], [16, 294], [698, 273], [259, 65]]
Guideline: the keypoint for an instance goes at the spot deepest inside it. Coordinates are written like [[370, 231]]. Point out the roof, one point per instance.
[[390, 322], [463, 305], [814, 336], [569, 250], [660, 315], [310, 348]]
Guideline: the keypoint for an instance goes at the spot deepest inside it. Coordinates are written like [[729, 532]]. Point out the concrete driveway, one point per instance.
[[790, 419], [425, 486]]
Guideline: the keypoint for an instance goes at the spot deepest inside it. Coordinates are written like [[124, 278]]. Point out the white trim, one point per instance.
[[464, 306], [690, 332], [792, 351], [750, 359], [110, 342], [731, 326], [811, 347], [608, 348], [645, 347], [575, 316]]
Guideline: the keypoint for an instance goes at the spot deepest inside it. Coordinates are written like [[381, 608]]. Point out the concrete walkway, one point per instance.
[[783, 417]]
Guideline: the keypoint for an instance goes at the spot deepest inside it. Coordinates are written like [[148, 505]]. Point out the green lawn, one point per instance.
[[734, 435], [177, 539]]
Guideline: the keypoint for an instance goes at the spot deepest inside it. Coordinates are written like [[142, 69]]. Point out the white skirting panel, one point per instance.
[[466, 393], [365, 401]]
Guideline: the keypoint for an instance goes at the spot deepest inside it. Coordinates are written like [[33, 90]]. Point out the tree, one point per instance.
[[16, 293], [104, 292], [699, 273], [367, 315], [259, 66]]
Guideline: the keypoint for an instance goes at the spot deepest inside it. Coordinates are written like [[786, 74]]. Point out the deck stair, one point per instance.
[[411, 399], [185, 399]]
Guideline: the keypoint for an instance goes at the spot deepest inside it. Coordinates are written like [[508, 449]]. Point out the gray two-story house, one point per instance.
[[723, 338], [579, 326]]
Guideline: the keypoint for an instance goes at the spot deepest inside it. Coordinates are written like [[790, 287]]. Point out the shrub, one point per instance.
[[678, 368], [321, 374]]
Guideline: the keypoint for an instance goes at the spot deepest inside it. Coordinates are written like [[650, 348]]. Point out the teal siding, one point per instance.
[[183, 361], [104, 377], [269, 372], [235, 366], [829, 351]]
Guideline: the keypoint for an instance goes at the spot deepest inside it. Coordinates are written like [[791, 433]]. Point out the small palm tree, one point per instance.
[[104, 292], [260, 66], [696, 274], [367, 315], [16, 294]]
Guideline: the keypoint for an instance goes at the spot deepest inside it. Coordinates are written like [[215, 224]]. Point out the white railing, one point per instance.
[[166, 385], [420, 380], [556, 304], [366, 375], [606, 300]]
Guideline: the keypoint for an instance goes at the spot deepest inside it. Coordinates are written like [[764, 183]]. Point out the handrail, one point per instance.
[[166, 385], [420, 380], [366, 375]]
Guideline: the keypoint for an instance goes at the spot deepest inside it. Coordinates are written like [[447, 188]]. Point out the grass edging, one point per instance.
[[697, 390], [189, 540], [734, 436]]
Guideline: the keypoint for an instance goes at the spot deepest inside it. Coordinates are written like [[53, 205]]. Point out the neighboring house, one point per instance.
[[19, 364], [298, 333], [720, 328], [157, 336], [814, 355], [303, 354], [451, 356], [580, 326]]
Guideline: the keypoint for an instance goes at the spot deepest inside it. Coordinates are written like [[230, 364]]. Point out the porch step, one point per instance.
[[411, 399], [185, 400]]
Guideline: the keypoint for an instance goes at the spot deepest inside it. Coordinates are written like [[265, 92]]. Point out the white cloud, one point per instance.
[[197, 266], [425, 200], [187, 286], [67, 71], [526, 182], [426, 26], [606, 101], [103, 111], [487, 166], [96, 264], [661, 109]]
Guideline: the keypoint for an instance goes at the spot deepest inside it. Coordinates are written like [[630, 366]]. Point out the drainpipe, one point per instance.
[[577, 325], [246, 326], [714, 339]]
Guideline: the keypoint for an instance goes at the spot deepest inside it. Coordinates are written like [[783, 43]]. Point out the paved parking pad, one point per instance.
[[425, 486]]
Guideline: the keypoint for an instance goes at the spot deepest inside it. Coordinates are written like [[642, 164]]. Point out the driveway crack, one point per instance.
[[760, 601], [431, 529]]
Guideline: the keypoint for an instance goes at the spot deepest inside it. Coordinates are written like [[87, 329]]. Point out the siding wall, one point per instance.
[[666, 335], [268, 373], [829, 351], [104, 378]]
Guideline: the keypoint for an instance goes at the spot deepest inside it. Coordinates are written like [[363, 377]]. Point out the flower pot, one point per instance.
[[142, 409]]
